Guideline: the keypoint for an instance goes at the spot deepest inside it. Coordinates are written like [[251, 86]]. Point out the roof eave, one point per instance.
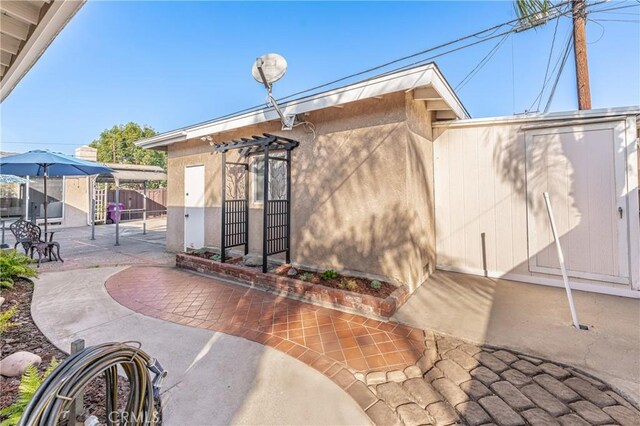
[[406, 80], [55, 19]]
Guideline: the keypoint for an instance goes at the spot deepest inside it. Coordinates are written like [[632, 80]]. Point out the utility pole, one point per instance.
[[580, 52]]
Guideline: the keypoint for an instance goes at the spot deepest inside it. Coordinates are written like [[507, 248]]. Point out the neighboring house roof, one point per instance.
[[27, 28], [133, 173], [426, 82]]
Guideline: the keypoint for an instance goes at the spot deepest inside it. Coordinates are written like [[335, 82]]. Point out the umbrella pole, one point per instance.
[[46, 167]]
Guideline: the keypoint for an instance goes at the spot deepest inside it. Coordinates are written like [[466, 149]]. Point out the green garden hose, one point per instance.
[[54, 397]]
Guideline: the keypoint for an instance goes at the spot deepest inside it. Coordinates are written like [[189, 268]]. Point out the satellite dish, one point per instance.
[[273, 67]]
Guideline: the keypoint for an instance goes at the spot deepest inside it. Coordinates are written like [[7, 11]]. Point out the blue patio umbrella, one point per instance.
[[47, 163]]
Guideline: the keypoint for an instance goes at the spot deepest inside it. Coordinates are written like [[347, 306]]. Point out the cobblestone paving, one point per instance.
[[459, 383], [397, 374]]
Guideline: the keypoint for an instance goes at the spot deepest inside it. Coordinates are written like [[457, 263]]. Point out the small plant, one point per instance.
[[306, 276], [350, 284], [329, 274], [216, 257], [14, 265], [375, 284], [29, 384], [5, 319], [202, 250]]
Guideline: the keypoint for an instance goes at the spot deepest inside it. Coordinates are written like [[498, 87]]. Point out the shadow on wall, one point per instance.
[[353, 206]]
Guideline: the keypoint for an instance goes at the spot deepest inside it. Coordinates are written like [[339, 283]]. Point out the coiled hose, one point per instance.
[[57, 393]]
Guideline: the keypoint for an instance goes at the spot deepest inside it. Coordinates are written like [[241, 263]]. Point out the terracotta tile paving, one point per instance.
[[317, 336], [446, 386]]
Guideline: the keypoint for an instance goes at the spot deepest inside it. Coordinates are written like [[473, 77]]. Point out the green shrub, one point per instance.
[[216, 257], [29, 383], [5, 319], [375, 284], [306, 276], [14, 265], [329, 274]]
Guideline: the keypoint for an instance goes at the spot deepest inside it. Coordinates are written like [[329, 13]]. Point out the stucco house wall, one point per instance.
[[362, 190]]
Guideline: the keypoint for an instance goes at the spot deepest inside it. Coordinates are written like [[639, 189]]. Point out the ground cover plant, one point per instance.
[[14, 265]]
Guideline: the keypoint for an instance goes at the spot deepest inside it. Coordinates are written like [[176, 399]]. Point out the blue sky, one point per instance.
[[170, 64]]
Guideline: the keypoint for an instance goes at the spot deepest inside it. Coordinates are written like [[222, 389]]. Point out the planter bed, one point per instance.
[[314, 290]]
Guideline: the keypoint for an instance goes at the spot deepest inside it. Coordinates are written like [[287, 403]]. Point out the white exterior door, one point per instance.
[[583, 169], [194, 207]]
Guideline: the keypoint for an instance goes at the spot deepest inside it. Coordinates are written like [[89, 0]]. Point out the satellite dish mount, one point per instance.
[[268, 69]]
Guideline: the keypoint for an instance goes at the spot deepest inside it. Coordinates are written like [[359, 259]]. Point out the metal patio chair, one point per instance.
[[30, 236]]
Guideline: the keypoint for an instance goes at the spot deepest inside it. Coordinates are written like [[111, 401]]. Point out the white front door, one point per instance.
[[194, 207], [583, 169]]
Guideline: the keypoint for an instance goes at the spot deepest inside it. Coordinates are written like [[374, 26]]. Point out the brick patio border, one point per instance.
[[308, 292]]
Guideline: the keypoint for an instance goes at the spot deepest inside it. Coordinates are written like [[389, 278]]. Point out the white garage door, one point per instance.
[[583, 169]]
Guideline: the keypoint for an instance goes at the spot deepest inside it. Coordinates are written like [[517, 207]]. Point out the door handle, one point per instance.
[[620, 212], [186, 215]]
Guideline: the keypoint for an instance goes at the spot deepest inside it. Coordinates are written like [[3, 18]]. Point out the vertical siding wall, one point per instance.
[[362, 191], [481, 203], [480, 192]]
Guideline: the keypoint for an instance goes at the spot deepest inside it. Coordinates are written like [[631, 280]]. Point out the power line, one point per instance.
[[555, 84], [635, 21], [490, 30], [481, 64], [546, 72], [553, 70], [615, 8]]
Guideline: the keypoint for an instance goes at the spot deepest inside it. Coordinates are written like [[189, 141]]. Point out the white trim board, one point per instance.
[[423, 76]]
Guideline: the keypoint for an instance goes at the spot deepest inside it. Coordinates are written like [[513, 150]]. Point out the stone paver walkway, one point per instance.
[[397, 374]]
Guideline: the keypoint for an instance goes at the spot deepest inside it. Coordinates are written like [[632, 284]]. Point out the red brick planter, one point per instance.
[[313, 293]]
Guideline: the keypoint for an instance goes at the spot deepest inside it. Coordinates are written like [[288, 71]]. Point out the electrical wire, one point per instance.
[[635, 21], [481, 64], [59, 390], [553, 70], [555, 84], [546, 72], [615, 8], [491, 30], [601, 27]]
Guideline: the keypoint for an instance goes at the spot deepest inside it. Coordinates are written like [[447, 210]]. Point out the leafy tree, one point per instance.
[[117, 145]]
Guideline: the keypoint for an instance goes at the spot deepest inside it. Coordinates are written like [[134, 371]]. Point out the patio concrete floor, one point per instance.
[[536, 320], [214, 378], [79, 251]]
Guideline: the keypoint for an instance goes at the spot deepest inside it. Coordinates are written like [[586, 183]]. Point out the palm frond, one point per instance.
[[531, 11]]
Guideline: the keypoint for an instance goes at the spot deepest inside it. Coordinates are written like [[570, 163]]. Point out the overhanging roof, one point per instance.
[[133, 173], [27, 28], [426, 82]]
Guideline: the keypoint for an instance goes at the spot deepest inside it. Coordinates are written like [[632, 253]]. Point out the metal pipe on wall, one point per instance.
[[563, 269]]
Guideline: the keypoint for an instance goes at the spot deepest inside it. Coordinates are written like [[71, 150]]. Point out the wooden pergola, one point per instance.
[[276, 226]]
